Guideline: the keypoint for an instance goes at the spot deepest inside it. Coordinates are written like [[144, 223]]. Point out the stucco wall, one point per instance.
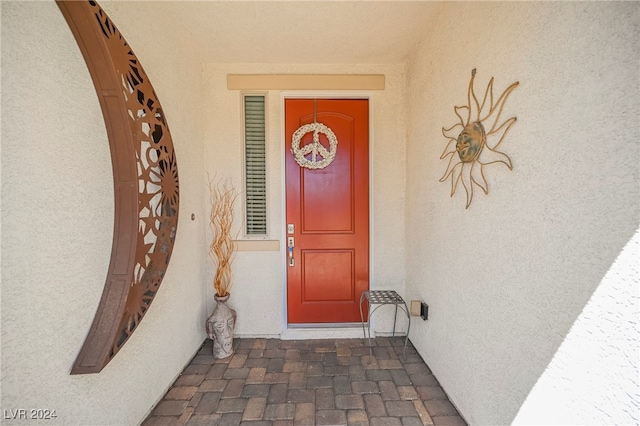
[[259, 276], [507, 278], [57, 221]]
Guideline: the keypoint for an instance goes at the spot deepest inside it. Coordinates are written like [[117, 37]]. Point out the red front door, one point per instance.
[[327, 209]]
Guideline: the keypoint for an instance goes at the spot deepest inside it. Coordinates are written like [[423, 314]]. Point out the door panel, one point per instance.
[[327, 206], [329, 209], [327, 275]]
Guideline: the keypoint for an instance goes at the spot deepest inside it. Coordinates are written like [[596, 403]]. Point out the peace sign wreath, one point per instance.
[[315, 148]]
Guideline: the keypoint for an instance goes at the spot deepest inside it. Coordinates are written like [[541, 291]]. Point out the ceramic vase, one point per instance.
[[220, 325]]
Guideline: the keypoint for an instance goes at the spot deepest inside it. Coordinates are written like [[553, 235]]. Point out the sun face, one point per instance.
[[471, 146]]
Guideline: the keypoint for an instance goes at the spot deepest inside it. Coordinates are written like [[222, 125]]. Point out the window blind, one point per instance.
[[255, 165]]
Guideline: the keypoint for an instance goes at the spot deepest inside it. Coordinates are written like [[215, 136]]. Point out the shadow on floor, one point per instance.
[[307, 382]]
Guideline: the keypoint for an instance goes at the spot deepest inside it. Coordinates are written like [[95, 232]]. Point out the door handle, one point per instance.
[[290, 244], [292, 262]]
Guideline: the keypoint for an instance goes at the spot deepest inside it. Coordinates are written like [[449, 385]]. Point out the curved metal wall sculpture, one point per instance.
[[145, 176]]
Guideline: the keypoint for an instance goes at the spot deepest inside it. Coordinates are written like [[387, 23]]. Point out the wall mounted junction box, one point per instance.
[[420, 309]]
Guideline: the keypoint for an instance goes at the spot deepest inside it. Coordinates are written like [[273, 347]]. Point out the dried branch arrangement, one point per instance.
[[221, 250]]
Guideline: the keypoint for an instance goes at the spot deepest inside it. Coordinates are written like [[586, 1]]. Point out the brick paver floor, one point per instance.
[[307, 382]]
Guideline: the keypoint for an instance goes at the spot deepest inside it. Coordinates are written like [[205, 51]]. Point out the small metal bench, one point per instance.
[[380, 298]]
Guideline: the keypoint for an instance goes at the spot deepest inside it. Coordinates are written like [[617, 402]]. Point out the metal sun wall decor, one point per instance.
[[476, 138], [145, 175]]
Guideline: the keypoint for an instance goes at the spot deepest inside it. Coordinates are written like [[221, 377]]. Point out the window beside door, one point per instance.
[[255, 182]]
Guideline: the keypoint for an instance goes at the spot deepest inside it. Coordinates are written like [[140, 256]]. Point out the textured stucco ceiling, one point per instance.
[[296, 31]]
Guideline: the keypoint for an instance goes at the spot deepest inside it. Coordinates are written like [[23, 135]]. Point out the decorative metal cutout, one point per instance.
[[315, 148], [145, 183], [475, 139]]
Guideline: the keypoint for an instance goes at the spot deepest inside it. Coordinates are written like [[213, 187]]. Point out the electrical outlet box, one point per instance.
[[424, 311], [415, 308], [418, 308]]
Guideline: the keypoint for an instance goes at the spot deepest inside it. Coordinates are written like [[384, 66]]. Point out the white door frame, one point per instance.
[[321, 331]]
